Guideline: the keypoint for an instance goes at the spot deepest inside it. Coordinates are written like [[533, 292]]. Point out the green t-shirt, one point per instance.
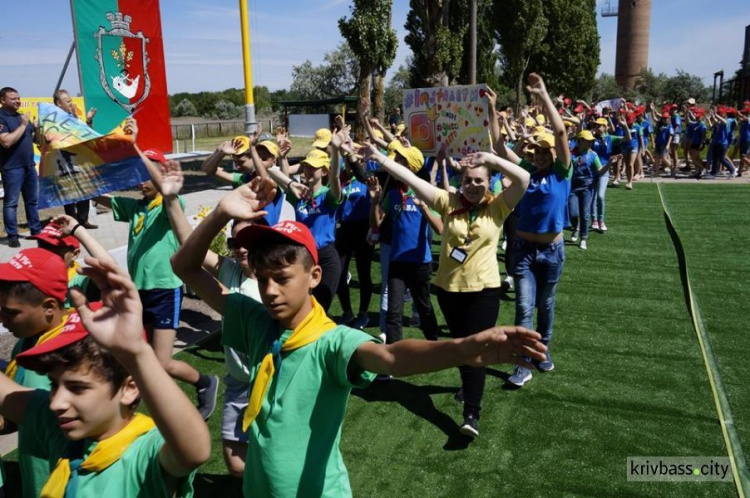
[[293, 447], [148, 251], [34, 469], [91, 292], [137, 473]]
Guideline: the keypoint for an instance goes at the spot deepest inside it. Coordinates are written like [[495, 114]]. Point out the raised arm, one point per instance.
[[424, 189], [518, 176], [364, 116], [493, 118], [117, 326], [375, 192], [211, 166], [68, 224], [536, 87]]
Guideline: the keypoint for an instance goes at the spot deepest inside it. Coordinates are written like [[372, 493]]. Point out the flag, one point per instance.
[[89, 168], [121, 65]]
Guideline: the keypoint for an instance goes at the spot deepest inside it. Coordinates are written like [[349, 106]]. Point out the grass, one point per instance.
[[629, 382], [300, 145]]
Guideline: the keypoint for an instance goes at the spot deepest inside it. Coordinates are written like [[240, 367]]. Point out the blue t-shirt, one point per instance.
[[720, 133], [356, 206], [585, 167], [745, 132], [677, 123], [633, 143], [319, 215], [699, 133], [690, 128], [731, 127], [410, 230], [646, 131], [20, 154], [603, 148], [663, 132], [542, 208]]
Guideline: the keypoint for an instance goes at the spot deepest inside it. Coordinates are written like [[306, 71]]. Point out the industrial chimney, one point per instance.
[[633, 26]]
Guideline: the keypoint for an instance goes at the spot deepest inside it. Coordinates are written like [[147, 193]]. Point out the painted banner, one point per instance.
[[30, 107], [77, 167], [121, 66], [454, 117]]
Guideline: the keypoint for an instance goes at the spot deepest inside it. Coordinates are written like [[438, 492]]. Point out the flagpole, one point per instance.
[[250, 123]]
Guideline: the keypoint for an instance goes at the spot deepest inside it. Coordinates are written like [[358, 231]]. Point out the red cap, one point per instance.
[[43, 269], [566, 101], [665, 115], [72, 331], [52, 235], [579, 108], [155, 155], [629, 105], [674, 106], [290, 230]]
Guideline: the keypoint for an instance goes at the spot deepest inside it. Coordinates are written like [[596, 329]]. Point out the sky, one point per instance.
[[203, 51]]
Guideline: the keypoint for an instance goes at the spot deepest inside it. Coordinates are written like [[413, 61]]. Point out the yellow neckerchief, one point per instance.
[[315, 324], [12, 368], [73, 271], [106, 452], [141, 217]]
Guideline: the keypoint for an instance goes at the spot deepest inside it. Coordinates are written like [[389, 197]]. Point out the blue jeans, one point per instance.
[[17, 182], [719, 155], [597, 201], [537, 271], [385, 261], [579, 205]]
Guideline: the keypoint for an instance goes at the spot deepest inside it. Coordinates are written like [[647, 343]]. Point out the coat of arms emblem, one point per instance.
[[123, 62]]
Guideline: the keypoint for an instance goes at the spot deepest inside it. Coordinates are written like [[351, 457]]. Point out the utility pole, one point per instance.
[[250, 123], [473, 44]]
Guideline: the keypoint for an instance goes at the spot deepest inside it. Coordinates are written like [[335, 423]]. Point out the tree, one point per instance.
[[683, 86], [520, 26], [606, 88], [369, 35], [184, 108], [487, 55], [436, 40], [336, 76], [569, 53], [394, 93]]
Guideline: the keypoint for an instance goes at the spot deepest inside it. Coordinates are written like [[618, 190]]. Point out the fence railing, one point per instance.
[[185, 135]]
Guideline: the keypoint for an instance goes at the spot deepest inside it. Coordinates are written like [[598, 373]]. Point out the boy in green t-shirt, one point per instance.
[[86, 427], [33, 286], [302, 365], [151, 242]]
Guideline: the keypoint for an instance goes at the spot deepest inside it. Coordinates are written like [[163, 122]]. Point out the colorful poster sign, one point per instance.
[[121, 66], [30, 107], [79, 164], [454, 117]]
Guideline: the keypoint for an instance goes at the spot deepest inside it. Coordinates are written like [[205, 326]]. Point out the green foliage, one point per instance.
[[436, 40], [184, 108], [569, 54], [221, 103], [520, 27], [369, 34], [394, 90], [487, 56], [336, 76], [658, 88]]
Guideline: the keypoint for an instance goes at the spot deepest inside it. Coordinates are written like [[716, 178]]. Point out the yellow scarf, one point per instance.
[[12, 368], [315, 324], [73, 271], [142, 217], [106, 452]]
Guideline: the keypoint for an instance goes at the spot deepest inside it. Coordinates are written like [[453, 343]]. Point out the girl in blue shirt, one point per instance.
[[630, 143], [720, 140], [586, 168], [664, 135], [744, 139]]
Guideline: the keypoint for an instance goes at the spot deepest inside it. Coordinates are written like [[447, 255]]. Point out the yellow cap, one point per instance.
[[378, 134], [241, 144], [546, 141], [530, 122], [413, 155], [586, 135], [541, 119], [322, 138], [601, 121], [270, 147], [539, 130], [317, 159], [400, 129]]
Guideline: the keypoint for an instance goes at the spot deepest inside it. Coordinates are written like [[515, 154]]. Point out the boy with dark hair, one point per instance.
[[86, 427], [302, 365], [33, 286]]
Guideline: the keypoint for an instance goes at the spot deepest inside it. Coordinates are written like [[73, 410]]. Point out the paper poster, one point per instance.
[[455, 117]]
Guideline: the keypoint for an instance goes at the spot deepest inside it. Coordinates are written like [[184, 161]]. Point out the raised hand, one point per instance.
[[172, 179], [368, 151], [117, 326], [24, 119], [536, 85], [227, 148], [491, 97], [90, 115], [441, 155], [246, 202], [256, 134], [373, 187], [503, 345], [300, 191], [131, 127], [285, 147], [64, 223], [338, 122]]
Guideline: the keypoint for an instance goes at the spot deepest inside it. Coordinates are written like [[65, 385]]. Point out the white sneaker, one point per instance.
[[583, 244], [574, 237], [2, 193]]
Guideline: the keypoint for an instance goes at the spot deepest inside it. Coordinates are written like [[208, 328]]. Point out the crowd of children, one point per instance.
[[93, 341]]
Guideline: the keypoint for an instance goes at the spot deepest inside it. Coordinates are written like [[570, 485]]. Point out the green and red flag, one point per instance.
[[121, 66]]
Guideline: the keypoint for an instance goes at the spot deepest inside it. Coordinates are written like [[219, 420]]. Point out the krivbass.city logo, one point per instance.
[[698, 469], [123, 62]]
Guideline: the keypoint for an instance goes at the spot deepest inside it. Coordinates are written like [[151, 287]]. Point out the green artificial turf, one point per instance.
[[713, 223], [629, 381]]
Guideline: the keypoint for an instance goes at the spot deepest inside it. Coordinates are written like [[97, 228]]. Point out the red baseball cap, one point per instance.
[[52, 235], [43, 269], [290, 230], [156, 155]]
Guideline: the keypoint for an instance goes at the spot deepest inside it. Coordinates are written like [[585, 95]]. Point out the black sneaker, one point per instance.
[[470, 426], [207, 397], [14, 242], [459, 396]]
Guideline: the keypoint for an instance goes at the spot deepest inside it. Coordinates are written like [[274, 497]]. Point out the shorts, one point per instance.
[[660, 149], [744, 148], [236, 395], [676, 139], [161, 307], [697, 146]]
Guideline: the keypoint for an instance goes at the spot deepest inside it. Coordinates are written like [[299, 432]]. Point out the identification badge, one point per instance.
[[458, 255]]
